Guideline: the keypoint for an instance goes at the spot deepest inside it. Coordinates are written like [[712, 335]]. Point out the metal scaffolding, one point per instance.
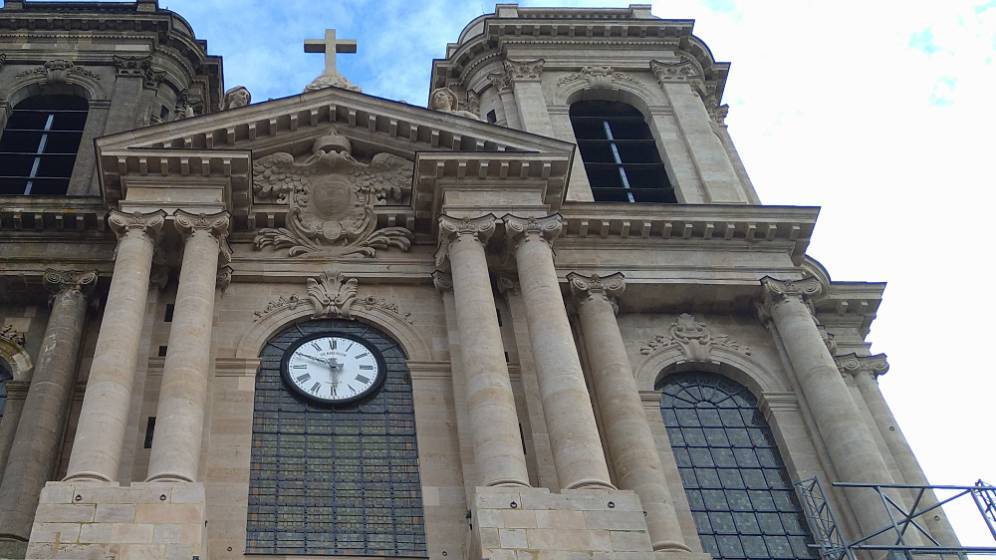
[[895, 537]]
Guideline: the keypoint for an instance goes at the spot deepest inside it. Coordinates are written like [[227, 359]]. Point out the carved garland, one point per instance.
[[694, 338], [56, 71], [596, 76]]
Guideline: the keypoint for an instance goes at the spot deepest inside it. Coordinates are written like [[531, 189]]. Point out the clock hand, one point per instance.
[[314, 359]]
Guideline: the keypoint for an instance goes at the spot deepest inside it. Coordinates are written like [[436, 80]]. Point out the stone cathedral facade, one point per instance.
[[546, 317]]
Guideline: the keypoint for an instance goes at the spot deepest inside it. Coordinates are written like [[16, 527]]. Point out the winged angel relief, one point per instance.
[[331, 198]]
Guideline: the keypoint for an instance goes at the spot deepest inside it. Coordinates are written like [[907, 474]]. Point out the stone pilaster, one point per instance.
[[865, 371], [630, 443], [502, 82], [577, 448], [104, 415], [849, 443], [525, 75], [494, 424], [39, 433], [176, 445]]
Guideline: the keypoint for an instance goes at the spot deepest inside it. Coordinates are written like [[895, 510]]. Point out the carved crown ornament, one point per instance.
[[56, 71], [331, 198], [332, 295], [695, 339]]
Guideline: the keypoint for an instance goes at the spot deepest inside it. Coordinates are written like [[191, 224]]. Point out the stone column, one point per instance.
[[494, 425], [104, 415], [865, 371], [577, 448], [509, 115], [176, 445], [525, 76], [630, 442], [849, 444], [39, 433]]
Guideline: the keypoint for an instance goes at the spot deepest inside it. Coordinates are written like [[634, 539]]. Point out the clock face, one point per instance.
[[332, 368]]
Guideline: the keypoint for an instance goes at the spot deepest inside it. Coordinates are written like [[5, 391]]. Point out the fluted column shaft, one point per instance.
[[577, 447], [630, 442], [176, 444], [494, 424], [104, 416], [849, 443], [36, 442], [866, 379]]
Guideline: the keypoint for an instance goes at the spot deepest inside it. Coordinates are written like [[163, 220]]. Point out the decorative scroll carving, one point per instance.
[[332, 295], [141, 67], [371, 302], [122, 223], [331, 197], [694, 338], [522, 70], [852, 364], [12, 336], [236, 97], [781, 289], [282, 302], [56, 71], [215, 224], [682, 70], [60, 281], [585, 288], [596, 76], [523, 229], [501, 81], [480, 228], [444, 100]]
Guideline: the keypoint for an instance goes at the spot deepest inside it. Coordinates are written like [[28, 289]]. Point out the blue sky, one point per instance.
[[880, 112]]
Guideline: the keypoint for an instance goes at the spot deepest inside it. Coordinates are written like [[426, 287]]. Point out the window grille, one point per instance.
[[340, 481], [39, 144], [619, 153], [737, 486]]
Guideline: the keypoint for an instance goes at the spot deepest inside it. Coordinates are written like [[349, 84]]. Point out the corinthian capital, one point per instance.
[[61, 281], [214, 224], [526, 229], [587, 288], [778, 290], [524, 70], [480, 228], [123, 223], [852, 364], [501, 81]]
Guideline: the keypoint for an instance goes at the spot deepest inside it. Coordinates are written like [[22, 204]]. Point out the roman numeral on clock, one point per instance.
[[316, 347], [362, 379], [366, 367], [363, 355], [303, 378], [315, 387]]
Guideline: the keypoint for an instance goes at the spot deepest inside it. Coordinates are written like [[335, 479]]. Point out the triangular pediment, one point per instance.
[[222, 147]]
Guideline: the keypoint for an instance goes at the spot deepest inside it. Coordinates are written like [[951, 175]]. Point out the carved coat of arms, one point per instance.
[[331, 198]]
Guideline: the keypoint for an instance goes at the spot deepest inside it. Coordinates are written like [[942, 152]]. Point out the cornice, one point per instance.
[[51, 214]]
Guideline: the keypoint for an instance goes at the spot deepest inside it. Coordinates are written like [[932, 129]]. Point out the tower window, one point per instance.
[[39, 144], [736, 483], [619, 153]]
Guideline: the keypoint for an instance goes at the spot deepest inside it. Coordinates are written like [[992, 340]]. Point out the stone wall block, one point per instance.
[[168, 513], [56, 493], [489, 537], [558, 539], [490, 518], [519, 519], [55, 532], [615, 520], [115, 513], [66, 513], [512, 538], [560, 519], [630, 541]]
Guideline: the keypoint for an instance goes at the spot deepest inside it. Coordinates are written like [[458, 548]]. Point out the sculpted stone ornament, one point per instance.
[[523, 70], [682, 70], [852, 364], [694, 338], [442, 280], [56, 71], [236, 97], [521, 230], [332, 295], [596, 76], [778, 290], [480, 228], [331, 80], [214, 224], [331, 197], [282, 302], [501, 81], [586, 288], [60, 281], [12, 336], [445, 100], [123, 223]]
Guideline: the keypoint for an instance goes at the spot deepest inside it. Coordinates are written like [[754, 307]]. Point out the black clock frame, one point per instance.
[[301, 393]]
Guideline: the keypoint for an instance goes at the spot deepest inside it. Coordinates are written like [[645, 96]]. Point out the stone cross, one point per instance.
[[330, 46]]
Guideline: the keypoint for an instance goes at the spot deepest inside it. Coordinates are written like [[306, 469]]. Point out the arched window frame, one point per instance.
[[40, 142], [620, 152], [723, 525]]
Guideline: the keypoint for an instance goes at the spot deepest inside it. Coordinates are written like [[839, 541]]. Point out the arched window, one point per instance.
[[39, 144], [619, 153], [334, 480], [737, 486]]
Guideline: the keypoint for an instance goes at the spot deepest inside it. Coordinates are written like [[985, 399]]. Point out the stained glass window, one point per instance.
[[334, 481], [737, 487]]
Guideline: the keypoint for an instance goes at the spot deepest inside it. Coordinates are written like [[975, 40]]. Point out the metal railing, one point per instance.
[[895, 538]]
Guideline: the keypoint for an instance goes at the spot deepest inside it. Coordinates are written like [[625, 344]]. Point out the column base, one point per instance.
[[526, 523], [158, 521]]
